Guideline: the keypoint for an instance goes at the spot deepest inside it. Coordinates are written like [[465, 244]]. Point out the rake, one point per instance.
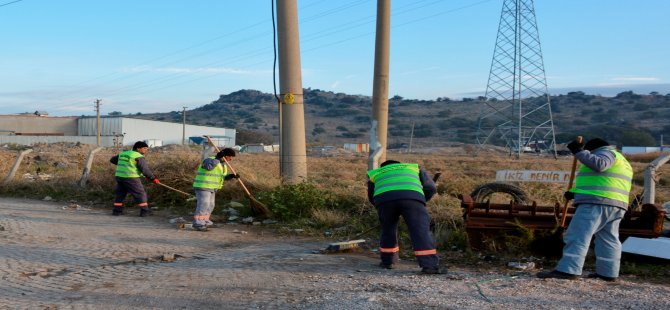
[[256, 206]]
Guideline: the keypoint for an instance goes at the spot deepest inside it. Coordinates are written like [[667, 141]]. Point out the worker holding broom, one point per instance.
[[600, 194], [209, 178], [398, 189], [130, 167]]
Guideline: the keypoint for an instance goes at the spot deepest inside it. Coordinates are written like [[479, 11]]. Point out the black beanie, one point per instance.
[[225, 152], [139, 145], [594, 144], [389, 162]]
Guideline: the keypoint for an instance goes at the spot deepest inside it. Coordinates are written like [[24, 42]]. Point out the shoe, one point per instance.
[[146, 212], [200, 228], [212, 225], [555, 274], [386, 266], [432, 270], [117, 211], [604, 278]]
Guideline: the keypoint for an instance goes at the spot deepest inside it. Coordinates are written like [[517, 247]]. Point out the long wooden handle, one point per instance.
[[229, 166], [570, 182], [174, 189]]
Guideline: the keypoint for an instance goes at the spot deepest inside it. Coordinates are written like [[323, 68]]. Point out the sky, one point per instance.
[[147, 56]]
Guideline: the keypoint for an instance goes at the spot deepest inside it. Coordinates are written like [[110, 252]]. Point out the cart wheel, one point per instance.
[[484, 192]]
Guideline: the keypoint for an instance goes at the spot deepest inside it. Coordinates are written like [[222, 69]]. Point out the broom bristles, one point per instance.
[[259, 208]]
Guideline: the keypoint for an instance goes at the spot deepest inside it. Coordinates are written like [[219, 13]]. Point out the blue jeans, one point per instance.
[[601, 221]]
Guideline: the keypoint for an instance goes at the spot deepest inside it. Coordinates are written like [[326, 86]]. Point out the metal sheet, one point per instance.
[[657, 247]]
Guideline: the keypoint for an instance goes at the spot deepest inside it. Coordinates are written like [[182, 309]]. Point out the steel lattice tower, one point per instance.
[[517, 111]]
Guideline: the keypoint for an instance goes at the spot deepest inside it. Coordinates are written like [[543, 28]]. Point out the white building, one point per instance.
[[131, 130]]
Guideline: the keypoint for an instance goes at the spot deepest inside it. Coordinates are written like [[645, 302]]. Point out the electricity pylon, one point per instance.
[[517, 110]]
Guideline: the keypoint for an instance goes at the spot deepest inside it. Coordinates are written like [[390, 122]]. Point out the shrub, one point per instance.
[[293, 201]]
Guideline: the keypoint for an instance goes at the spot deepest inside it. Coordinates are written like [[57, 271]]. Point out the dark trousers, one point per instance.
[[133, 186], [418, 222]]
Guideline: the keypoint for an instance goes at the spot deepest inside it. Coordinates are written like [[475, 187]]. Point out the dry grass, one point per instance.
[[342, 177]]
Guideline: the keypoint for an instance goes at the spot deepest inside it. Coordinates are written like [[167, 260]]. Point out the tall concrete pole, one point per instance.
[[380, 85], [97, 111], [292, 149], [183, 126]]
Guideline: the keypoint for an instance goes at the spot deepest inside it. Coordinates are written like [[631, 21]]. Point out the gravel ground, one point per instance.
[[54, 255]]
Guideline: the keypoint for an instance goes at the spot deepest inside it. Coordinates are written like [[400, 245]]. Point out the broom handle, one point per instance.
[[174, 189], [229, 166], [572, 179]]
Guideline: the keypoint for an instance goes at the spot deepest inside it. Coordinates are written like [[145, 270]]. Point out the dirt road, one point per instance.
[[53, 256]]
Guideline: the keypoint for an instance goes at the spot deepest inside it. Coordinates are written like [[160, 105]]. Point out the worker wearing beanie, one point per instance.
[[600, 194], [397, 189], [130, 167], [209, 178]]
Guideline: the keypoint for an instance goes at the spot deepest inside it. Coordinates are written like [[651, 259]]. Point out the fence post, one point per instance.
[[17, 163], [87, 168]]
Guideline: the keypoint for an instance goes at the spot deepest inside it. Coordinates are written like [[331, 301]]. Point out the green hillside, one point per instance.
[[337, 118]]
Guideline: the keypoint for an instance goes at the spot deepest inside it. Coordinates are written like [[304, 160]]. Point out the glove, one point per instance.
[[575, 146], [231, 176], [569, 196], [155, 181]]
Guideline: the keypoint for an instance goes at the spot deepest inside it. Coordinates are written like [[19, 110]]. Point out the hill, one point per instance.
[[337, 118]]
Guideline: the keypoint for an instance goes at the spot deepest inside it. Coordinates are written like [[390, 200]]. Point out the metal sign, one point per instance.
[[532, 176]]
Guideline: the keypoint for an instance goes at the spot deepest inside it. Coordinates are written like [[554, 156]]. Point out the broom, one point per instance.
[[256, 206], [190, 197]]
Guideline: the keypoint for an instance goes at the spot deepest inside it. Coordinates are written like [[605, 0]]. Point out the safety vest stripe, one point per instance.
[[118, 204], [425, 252], [383, 178], [208, 174], [381, 187], [143, 204], [208, 182], [604, 188], [606, 174], [389, 250]]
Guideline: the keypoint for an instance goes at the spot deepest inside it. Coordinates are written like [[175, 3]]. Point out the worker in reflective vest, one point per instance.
[[397, 189], [130, 167], [209, 178], [601, 191]]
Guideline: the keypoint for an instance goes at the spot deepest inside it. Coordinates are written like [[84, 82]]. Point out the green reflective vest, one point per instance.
[[212, 179], [127, 165], [396, 177], [614, 183]]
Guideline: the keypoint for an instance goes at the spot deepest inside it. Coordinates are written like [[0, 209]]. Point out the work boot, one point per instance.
[[555, 274], [117, 211], [604, 278], [432, 270], [200, 228], [386, 266], [145, 212]]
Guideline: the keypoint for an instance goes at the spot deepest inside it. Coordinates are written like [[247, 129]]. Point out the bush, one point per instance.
[[294, 201]]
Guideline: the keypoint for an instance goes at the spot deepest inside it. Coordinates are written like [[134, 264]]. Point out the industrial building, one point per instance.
[[30, 129]]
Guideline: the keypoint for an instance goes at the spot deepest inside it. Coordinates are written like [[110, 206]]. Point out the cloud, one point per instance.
[[636, 79], [335, 84]]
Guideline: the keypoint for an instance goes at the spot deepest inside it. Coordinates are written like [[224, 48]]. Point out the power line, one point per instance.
[[248, 55], [8, 3]]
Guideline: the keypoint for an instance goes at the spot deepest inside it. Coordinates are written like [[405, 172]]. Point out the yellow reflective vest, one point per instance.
[[396, 177], [212, 179], [614, 183], [127, 165]]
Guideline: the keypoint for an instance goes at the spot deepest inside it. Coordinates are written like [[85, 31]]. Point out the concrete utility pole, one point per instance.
[[293, 152], [183, 132], [380, 85], [97, 111]]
